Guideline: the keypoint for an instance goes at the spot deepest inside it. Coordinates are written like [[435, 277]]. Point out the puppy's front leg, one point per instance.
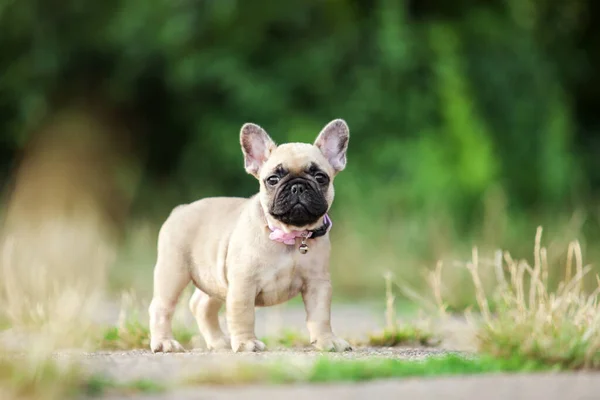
[[317, 302], [241, 298]]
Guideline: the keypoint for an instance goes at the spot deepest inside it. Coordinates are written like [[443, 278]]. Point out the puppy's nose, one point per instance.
[[297, 188]]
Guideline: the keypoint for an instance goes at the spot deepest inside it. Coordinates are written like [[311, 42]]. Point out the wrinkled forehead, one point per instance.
[[296, 158]]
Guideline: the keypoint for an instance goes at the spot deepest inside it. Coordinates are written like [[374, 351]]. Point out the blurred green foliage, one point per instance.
[[439, 109], [445, 101]]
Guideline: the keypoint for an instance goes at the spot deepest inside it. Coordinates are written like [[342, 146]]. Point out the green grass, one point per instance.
[[4, 323], [43, 378], [99, 385], [133, 334], [37, 379], [330, 370], [396, 334], [287, 338], [407, 335], [132, 331]]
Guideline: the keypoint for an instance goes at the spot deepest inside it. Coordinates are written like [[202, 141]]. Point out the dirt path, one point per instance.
[[497, 387]]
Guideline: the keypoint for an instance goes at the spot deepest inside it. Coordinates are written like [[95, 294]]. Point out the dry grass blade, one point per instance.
[[393, 334], [557, 327], [544, 257], [473, 267], [499, 270], [435, 279], [390, 312], [569, 266], [57, 236], [537, 267]]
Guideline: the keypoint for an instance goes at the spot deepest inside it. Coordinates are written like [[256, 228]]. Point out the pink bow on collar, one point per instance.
[[289, 238]]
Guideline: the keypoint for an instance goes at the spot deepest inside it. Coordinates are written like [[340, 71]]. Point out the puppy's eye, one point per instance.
[[321, 178], [273, 180]]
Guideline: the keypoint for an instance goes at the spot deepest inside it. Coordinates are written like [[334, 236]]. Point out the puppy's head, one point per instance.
[[296, 179]]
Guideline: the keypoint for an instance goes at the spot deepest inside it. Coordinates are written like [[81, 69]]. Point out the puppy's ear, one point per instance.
[[256, 146], [333, 143]]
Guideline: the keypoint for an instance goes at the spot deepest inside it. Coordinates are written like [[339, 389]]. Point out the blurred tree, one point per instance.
[[444, 101]]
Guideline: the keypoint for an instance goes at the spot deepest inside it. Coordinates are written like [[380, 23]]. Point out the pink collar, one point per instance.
[[279, 235]]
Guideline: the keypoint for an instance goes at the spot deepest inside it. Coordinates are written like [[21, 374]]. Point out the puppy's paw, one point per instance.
[[247, 345], [221, 343], [166, 346], [331, 343]]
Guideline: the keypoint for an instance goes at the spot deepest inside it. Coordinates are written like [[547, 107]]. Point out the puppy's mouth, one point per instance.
[[298, 202]]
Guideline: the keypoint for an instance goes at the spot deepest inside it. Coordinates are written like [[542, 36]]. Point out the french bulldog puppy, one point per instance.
[[254, 252]]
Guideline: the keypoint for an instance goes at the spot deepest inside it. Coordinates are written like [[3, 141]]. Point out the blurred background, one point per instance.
[[472, 122]]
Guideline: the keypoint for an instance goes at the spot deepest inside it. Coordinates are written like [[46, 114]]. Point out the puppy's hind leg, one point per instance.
[[206, 310], [171, 276]]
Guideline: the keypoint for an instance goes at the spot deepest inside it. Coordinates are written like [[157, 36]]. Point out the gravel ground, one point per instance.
[[168, 368], [350, 322]]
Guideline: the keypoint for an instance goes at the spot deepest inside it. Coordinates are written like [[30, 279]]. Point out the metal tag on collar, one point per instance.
[[303, 249]]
